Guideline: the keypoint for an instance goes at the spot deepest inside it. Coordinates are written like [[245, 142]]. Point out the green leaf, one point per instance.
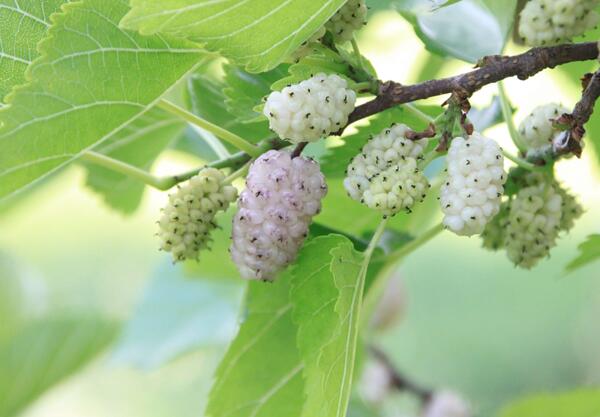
[[208, 99], [24, 24], [261, 373], [257, 34], [589, 251], [91, 80], [581, 403], [22, 296], [177, 315], [43, 354], [486, 117], [314, 295], [245, 91], [139, 143], [337, 359], [321, 59], [444, 32], [337, 158]]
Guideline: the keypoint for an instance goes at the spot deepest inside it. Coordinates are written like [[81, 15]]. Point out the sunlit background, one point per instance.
[[473, 322]]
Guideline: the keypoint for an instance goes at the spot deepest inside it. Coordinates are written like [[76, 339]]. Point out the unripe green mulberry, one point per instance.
[[571, 209], [495, 231], [188, 219], [550, 22], [385, 175], [533, 224], [348, 19]]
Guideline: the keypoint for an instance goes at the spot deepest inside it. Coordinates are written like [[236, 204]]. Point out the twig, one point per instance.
[[490, 70], [399, 381], [570, 142]]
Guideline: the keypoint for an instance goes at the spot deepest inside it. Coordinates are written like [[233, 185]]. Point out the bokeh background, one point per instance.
[[473, 323]]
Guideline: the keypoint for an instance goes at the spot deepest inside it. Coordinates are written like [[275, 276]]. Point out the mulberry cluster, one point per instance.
[[275, 210], [472, 192], [550, 22], [533, 224], [310, 110], [188, 218], [529, 224], [537, 130], [571, 209], [385, 175], [348, 19]]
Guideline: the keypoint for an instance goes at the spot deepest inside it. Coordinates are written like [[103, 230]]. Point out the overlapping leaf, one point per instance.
[[338, 358], [258, 34], [45, 353], [91, 80], [314, 295], [261, 373], [445, 33], [24, 24]]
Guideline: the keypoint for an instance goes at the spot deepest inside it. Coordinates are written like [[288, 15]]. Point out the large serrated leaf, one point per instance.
[[24, 24], [261, 373], [138, 144], [444, 31], [44, 353], [91, 80], [337, 359], [314, 295], [258, 34], [584, 402]]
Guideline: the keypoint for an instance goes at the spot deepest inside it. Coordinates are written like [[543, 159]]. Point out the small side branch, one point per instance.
[[399, 381]]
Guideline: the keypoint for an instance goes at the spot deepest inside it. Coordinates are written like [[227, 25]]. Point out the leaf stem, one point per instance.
[[218, 131], [357, 53], [520, 161], [375, 240], [415, 244], [126, 169], [507, 113]]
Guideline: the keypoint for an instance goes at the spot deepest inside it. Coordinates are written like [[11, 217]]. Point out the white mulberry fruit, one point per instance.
[[348, 19], [310, 110], [471, 195], [533, 224], [537, 130], [275, 211], [188, 219], [550, 22], [447, 404], [385, 175]]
